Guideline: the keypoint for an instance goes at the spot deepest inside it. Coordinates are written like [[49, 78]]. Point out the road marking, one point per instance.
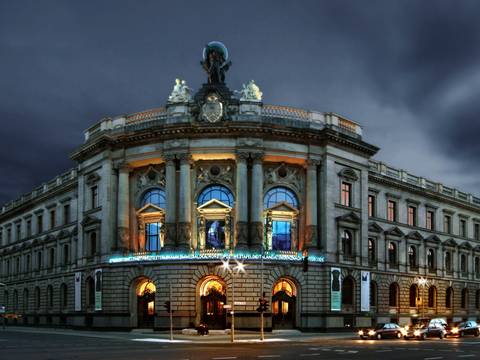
[[352, 351], [314, 354], [268, 356], [339, 350], [464, 356], [224, 358], [386, 350], [433, 358]]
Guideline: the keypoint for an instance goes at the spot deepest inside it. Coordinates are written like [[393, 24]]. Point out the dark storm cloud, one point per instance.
[[406, 70]]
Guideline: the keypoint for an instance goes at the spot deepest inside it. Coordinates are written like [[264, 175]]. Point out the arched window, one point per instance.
[[155, 197], [371, 251], [448, 261], [37, 298], [373, 293], [218, 192], [15, 299], [25, 300], [432, 296], [347, 242], [393, 295], [449, 298], [347, 291], [463, 263], [413, 295], [280, 194], [412, 256], [464, 300], [477, 299], [392, 254], [431, 259], [63, 296], [90, 292]]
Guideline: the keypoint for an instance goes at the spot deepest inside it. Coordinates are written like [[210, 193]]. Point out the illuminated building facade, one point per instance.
[[159, 198]]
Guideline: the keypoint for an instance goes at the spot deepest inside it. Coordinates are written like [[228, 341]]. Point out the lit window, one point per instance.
[[430, 220], [280, 194], [152, 236], [155, 197], [371, 205], [412, 216], [346, 194], [391, 210], [281, 235]]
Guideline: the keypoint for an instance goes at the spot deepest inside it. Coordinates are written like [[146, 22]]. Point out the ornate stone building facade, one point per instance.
[[159, 198]]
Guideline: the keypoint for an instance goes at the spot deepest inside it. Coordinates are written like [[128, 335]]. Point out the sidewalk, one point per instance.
[[164, 337]]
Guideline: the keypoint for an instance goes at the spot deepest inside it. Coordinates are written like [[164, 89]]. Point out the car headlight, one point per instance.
[[416, 333], [371, 332], [406, 328], [455, 330], [360, 333], [404, 331]]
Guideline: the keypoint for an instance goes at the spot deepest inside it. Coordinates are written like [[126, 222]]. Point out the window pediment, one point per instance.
[[214, 206], [433, 239], [374, 227], [477, 248], [450, 242], [466, 245], [283, 207], [92, 178], [414, 235], [149, 209], [348, 174], [395, 231], [350, 217]]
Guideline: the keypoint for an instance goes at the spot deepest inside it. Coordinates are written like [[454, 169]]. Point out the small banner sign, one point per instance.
[[335, 289], [98, 289]]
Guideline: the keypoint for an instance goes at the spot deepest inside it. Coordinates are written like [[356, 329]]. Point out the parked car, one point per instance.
[[381, 331], [424, 331], [463, 328]]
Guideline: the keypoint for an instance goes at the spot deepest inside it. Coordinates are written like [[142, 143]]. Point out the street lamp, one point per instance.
[[238, 268], [422, 282]]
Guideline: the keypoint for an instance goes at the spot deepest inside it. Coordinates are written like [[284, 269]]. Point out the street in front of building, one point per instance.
[[32, 343]]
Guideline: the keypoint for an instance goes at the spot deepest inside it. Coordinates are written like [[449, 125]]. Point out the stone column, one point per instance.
[[241, 201], [311, 229], [123, 223], [256, 203], [171, 202], [184, 203]]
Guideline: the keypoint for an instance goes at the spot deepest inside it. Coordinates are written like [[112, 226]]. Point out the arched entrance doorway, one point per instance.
[[213, 298], [284, 298], [145, 303]]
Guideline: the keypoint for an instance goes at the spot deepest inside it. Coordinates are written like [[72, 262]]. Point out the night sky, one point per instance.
[[407, 71]]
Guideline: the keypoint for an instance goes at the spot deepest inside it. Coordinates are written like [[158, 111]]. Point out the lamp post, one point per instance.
[[422, 282], [239, 267]]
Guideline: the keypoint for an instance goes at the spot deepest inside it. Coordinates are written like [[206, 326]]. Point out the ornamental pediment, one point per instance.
[[350, 217], [476, 248], [374, 227], [465, 245], [149, 209], [63, 234], [214, 205], [90, 220], [414, 235], [283, 207], [433, 239], [395, 231], [450, 242]]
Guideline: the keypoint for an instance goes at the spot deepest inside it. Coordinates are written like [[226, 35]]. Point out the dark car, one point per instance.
[[423, 331], [464, 328], [381, 331]]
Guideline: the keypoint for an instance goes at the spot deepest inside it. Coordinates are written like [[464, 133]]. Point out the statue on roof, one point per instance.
[[215, 62], [181, 92], [250, 92]]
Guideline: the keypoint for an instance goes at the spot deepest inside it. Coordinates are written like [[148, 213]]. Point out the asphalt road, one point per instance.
[[81, 345]]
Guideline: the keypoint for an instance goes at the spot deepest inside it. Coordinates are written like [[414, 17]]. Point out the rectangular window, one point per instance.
[[391, 210], [346, 194], [27, 263], [18, 234], [476, 231], [1, 236], [39, 224], [430, 220], [412, 216], [66, 214], [371, 205], [447, 224], [463, 228], [9, 235], [52, 219], [39, 260], [94, 197], [29, 228], [66, 255]]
